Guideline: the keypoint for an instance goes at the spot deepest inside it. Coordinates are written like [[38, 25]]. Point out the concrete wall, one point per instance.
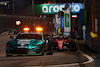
[[98, 20], [5, 23], [94, 12], [8, 22], [89, 26]]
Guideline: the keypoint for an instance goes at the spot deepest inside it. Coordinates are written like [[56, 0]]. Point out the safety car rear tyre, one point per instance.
[[55, 45]]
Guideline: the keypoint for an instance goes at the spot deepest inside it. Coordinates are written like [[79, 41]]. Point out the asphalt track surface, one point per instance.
[[58, 59]]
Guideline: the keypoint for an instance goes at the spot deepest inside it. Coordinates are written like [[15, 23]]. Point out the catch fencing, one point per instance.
[[8, 22]]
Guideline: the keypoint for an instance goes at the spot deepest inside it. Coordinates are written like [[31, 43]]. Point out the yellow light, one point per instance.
[[39, 29], [26, 29]]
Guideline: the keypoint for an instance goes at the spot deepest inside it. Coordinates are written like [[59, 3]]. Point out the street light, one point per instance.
[[18, 22], [4, 3]]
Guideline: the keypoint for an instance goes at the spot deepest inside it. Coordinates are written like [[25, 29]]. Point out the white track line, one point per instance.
[[90, 59]]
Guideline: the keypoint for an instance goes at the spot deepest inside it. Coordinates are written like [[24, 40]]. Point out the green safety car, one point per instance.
[[31, 43]]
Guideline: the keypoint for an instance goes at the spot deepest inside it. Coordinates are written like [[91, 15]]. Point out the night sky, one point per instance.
[[46, 1], [22, 7], [57, 1]]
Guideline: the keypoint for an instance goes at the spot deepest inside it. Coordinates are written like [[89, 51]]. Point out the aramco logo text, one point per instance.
[[49, 9], [56, 8]]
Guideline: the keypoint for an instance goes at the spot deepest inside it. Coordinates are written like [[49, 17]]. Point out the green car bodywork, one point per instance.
[[29, 44]]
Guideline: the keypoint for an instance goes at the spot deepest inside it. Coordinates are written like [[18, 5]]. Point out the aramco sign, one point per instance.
[[53, 8]]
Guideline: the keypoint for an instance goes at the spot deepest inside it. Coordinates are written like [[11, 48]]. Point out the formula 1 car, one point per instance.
[[61, 41], [31, 43]]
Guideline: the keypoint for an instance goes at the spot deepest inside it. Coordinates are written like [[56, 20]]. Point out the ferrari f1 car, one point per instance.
[[29, 44], [61, 41]]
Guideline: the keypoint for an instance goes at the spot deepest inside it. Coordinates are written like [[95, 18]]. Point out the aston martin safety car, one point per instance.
[[30, 43]]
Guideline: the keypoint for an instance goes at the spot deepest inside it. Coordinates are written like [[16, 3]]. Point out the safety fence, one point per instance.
[[8, 22]]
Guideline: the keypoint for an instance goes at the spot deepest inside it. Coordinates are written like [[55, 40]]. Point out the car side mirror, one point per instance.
[[11, 37], [43, 40]]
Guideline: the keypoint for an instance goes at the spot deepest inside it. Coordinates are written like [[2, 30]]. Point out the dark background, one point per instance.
[[24, 7], [22, 10]]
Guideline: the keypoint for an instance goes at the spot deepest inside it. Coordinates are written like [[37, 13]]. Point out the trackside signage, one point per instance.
[[54, 8], [67, 20]]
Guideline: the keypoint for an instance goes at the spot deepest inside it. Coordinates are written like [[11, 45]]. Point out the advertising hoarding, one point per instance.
[[62, 21], [84, 17], [54, 8], [67, 19]]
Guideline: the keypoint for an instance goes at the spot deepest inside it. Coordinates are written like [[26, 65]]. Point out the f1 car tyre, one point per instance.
[[55, 45], [43, 49]]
